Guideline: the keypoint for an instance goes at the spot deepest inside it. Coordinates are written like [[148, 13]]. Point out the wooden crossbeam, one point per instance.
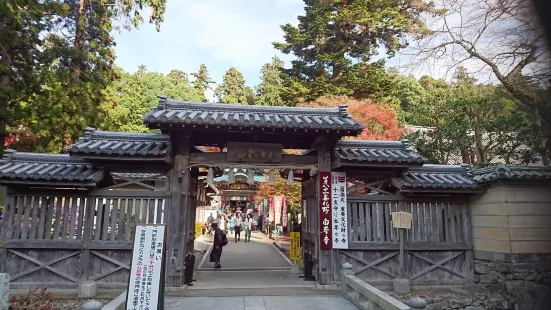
[[437, 265], [129, 181], [111, 260], [42, 265], [372, 265]]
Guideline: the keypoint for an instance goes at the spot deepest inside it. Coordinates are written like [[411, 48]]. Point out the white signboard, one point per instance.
[[340, 210], [147, 268], [401, 220]]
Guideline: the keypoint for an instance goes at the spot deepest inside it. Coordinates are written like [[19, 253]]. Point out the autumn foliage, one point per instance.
[[380, 122]]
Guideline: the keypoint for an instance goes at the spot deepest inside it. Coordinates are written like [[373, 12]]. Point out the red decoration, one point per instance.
[[326, 235]]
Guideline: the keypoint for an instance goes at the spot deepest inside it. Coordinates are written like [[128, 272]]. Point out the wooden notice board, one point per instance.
[[147, 268], [401, 220]]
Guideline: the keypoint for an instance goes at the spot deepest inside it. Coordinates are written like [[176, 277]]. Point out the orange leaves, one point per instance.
[[380, 122]]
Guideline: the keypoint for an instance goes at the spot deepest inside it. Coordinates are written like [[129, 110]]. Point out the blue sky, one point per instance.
[[218, 33]]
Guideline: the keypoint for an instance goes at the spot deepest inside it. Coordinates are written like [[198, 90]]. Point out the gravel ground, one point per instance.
[[71, 304]]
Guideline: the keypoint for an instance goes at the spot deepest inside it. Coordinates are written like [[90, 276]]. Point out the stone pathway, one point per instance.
[[259, 254], [254, 276], [319, 302]]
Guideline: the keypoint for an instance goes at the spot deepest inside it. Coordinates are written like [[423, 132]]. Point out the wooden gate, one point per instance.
[[310, 220], [437, 250]]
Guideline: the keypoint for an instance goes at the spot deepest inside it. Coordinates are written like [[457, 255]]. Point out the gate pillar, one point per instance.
[[178, 182], [325, 257]]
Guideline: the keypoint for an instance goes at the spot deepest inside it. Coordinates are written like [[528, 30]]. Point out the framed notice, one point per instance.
[[401, 220], [326, 236], [294, 251], [147, 268], [339, 210]]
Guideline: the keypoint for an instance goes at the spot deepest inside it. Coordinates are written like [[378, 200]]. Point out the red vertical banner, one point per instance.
[[284, 212], [326, 242]]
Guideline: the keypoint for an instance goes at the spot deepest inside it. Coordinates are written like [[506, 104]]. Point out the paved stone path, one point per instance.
[[257, 254], [254, 276], [260, 303]]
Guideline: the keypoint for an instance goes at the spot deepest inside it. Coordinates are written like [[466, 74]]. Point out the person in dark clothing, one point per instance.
[[260, 222], [216, 252]]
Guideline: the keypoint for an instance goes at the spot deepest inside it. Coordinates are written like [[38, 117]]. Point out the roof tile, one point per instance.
[[38, 166], [377, 151], [96, 142], [437, 177], [171, 111], [511, 172]]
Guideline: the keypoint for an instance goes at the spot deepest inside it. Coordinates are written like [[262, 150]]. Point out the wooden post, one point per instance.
[[86, 237], [402, 270], [325, 264], [8, 217], [178, 188]]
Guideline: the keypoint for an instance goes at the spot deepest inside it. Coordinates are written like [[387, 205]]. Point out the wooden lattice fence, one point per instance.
[[437, 250], [73, 236]]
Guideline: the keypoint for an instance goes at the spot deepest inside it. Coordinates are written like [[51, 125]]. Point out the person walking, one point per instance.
[[232, 224], [247, 225], [220, 241], [210, 220], [223, 223], [237, 223]]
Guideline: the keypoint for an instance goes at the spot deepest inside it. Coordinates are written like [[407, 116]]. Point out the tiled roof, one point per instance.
[[46, 167], [96, 142], [171, 111], [437, 177], [511, 172], [377, 151]]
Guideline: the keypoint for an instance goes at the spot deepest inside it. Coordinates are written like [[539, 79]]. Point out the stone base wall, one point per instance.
[[525, 282]]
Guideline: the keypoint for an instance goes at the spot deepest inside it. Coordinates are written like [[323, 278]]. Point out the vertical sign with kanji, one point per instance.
[[339, 210], [147, 268], [294, 253], [326, 237]]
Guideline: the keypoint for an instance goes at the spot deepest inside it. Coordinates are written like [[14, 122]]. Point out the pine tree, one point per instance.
[[233, 89], [202, 80], [270, 89]]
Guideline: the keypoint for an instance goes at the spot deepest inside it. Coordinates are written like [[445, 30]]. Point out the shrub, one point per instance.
[[37, 299]]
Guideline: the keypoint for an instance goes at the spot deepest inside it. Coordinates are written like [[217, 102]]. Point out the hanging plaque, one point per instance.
[[339, 210], [147, 269], [255, 152], [401, 220], [326, 236]]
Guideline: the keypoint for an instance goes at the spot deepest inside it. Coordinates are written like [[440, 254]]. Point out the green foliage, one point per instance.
[[202, 81], [56, 62], [336, 40], [233, 89], [479, 122], [134, 95], [270, 89]]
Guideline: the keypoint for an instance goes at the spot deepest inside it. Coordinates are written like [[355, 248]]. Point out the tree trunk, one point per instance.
[[479, 147], [5, 62], [77, 43]]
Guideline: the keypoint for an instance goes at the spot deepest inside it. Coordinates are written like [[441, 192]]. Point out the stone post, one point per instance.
[[4, 291], [346, 270]]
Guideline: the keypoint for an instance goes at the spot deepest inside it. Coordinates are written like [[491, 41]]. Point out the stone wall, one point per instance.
[[525, 281]]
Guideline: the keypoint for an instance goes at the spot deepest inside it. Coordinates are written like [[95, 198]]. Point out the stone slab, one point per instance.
[[318, 302]]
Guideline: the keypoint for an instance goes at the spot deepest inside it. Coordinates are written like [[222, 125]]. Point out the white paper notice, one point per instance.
[[340, 210], [145, 272]]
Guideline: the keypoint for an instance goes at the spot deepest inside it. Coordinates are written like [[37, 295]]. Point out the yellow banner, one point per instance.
[[294, 253], [198, 229]]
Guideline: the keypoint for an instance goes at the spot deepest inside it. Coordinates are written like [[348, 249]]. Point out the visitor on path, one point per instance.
[[220, 241], [247, 225], [223, 223], [210, 220], [237, 223], [232, 224]]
